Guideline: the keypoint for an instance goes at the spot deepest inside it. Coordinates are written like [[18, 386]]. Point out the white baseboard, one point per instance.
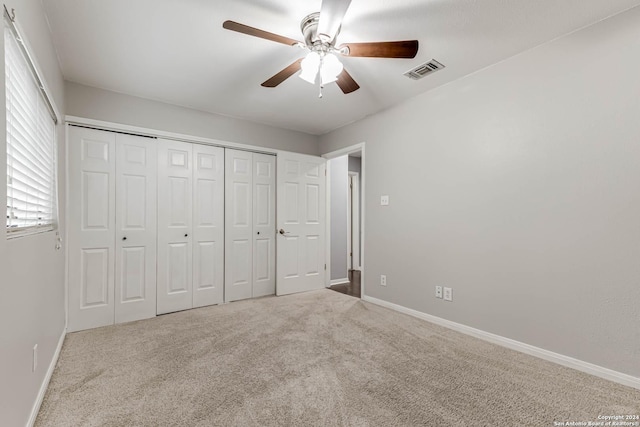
[[550, 356], [45, 382], [338, 281]]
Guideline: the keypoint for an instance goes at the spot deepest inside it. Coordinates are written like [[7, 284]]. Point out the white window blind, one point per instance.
[[31, 186]]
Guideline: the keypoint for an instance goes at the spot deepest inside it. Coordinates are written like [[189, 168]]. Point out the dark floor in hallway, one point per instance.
[[352, 288]]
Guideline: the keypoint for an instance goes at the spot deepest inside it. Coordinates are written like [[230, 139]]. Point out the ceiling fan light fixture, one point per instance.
[[320, 30], [310, 66], [330, 69]]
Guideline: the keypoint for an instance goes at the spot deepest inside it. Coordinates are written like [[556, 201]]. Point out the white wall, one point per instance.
[[355, 164], [99, 104], [518, 186], [31, 270], [339, 184]]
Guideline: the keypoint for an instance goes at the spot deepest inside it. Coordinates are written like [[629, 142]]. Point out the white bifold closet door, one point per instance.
[[264, 225], [112, 190], [135, 228], [249, 225], [190, 226], [208, 225], [92, 191], [175, 182]]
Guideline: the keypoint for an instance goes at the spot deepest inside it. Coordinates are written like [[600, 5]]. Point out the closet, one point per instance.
[[190, 225], [157, 226], [112, 228], [250, 225]]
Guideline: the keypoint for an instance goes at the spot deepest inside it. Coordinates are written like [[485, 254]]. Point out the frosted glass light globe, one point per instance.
[[331, 68], [310, 66]]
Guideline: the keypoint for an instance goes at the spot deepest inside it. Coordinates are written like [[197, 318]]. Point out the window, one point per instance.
[[31, 168]]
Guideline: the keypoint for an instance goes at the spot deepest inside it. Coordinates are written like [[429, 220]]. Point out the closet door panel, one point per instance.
[[135, 238], [91, 228], [208, 225], [264, 225], [238, 225], [174, 249]]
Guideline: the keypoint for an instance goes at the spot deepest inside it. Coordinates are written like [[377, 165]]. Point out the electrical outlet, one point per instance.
[[383, 280], [448, 294], [384, 200], [35, 358], [438, 291]]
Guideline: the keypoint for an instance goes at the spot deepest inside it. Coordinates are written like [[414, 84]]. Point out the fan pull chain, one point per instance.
[[320, 76]]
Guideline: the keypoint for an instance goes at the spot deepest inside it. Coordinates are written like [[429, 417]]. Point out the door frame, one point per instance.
[[353, 227], [360, 147]]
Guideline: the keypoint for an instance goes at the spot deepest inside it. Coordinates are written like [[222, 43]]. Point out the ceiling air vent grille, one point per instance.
[[424, 69]]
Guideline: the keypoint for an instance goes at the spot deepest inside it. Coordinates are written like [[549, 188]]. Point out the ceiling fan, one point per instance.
[[321, 63]]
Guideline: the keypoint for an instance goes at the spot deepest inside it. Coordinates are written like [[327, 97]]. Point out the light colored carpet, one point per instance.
[[313, 359]]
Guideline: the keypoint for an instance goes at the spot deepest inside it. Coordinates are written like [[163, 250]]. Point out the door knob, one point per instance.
[[258, 232], [124, 238], [186, 235], [282, 231]]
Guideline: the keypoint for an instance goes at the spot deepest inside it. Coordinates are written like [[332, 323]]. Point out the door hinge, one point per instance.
[[325, 266]]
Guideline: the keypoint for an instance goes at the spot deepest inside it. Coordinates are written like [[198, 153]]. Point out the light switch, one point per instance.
[[384, 200]]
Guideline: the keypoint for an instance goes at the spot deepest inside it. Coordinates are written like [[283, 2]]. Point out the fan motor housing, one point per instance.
[[309, 28]]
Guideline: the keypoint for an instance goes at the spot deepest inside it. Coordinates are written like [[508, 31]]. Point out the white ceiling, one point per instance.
[[176, 51]]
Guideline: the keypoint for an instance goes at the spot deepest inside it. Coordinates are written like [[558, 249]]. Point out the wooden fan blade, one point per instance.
[[346, 82], [245, 29], [400, 49], [331, 15], [283, 75]]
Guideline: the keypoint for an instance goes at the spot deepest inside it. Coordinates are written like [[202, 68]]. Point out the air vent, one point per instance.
[[424, 70]]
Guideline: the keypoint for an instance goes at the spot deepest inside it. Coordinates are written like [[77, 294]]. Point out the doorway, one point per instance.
[[345, 220], [353, 217]]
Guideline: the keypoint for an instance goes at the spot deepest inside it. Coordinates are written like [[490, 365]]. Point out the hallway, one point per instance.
[[352, 288]]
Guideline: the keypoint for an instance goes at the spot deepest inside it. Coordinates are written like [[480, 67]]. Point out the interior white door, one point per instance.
[[301, 223], [135, 237], [264, 225], [91, 228], [174, 270], [238, 225], [208, 225]]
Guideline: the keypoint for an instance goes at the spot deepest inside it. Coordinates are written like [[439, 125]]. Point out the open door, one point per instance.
[[300, 259]]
